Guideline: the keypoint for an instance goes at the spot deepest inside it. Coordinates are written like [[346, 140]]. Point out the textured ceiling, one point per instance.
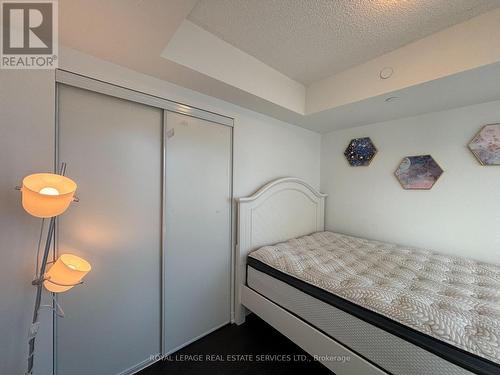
[[309, 40]]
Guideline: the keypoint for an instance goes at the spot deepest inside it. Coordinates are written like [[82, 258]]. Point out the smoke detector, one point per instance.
[[386, 72]]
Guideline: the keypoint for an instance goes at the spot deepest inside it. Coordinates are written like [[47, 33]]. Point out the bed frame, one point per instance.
[[270, 216], [283, 209]]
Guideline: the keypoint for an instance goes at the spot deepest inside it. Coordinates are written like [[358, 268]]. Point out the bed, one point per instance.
[[362, 306]]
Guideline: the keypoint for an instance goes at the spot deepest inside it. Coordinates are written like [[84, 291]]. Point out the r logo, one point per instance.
[[29, 34], [27, 28]]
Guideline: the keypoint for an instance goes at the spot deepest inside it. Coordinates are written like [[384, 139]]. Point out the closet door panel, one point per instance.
[[198, 223], [113, 148]]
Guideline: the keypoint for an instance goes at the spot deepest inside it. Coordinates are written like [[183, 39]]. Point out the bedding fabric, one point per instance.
[[452, 299]]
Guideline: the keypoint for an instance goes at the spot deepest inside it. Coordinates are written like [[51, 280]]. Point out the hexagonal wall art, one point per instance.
[[486, 145], [360, 152], [418, 172]]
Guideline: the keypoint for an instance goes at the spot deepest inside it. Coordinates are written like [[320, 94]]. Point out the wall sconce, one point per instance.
[[65, 273], [47, 195]]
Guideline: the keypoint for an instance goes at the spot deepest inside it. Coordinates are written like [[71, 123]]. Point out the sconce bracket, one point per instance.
[[39, 281], [60, 284]]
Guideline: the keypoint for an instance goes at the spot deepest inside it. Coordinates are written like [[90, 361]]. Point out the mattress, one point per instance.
[[449, 306], [384, 350]]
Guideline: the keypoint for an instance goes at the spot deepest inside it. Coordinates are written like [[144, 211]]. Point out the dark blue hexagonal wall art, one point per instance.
[[360, 152]]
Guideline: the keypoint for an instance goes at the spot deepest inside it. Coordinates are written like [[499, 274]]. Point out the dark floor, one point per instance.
[[240, 350]]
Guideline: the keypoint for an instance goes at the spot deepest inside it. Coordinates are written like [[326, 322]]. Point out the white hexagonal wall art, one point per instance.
[[486, 145]]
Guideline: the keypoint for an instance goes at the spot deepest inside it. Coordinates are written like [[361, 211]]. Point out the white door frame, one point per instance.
[[87, 83]]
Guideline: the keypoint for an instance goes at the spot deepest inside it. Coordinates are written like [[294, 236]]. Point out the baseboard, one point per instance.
[[141, 366], [197, 338]]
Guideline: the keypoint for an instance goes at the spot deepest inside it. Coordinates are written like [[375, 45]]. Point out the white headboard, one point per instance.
[[281, 210]]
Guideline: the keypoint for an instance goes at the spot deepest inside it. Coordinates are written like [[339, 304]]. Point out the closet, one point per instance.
[[198, 229], [154, 220]]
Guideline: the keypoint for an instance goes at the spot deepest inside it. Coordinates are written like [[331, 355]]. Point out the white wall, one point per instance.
[[264, 149], [460, 215], [26, 146]]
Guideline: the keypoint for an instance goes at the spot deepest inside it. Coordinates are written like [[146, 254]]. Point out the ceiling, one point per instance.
[[121, 30], [311, 40], [454, 67], [479, 85]]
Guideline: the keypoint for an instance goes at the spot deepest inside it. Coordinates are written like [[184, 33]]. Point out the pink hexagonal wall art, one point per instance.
[[418, 172]]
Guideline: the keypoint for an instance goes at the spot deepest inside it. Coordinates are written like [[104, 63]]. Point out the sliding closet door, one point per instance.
[[113, 148], [198, 223]]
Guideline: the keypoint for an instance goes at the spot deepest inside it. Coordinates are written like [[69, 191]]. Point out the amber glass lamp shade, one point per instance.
[[65, 273], [47, 195]]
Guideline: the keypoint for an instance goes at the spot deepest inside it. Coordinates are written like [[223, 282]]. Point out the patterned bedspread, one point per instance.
[[453, 299]]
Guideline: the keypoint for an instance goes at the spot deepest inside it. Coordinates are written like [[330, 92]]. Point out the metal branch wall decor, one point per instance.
[[360, 152], [486, 145]]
